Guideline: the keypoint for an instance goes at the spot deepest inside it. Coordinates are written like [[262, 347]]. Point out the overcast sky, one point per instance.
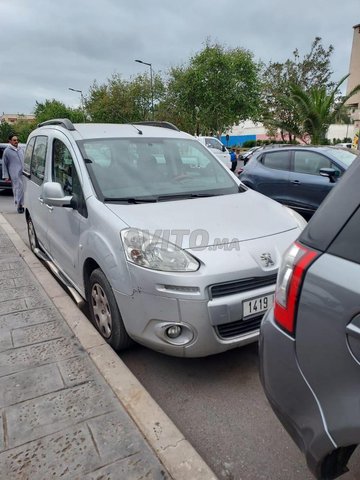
[[48, 46]]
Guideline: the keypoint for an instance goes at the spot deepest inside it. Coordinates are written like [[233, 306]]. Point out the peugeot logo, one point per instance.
[[267, 260]]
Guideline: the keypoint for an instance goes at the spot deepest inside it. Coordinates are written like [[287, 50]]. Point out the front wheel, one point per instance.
[[105, 313], [33, 241]]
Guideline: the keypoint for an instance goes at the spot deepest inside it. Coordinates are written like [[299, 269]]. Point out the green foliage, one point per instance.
[[219, 87], [5, 130], [54, 109], [312, 71], [21, 128], [249, 144], [317, 108], [121, 101]]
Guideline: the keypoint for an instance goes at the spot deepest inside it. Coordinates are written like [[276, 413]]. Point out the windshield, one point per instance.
[[134, 168], [345, 156]]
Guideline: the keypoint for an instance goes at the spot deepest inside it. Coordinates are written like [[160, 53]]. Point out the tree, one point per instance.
[[219, 87], [318, 108], [5, 130], [54, 109], [313, 70], [23, 128], [119, 101]]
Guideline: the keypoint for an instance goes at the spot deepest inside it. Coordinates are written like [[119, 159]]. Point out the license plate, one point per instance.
[[257, 305]]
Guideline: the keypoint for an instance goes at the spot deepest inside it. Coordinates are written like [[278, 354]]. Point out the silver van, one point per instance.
[[167, 247]]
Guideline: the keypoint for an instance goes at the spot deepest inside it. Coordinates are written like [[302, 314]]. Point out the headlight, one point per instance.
[[299, 219], [149, 251]]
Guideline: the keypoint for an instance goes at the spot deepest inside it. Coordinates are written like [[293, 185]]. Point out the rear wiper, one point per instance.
[[131, 199]]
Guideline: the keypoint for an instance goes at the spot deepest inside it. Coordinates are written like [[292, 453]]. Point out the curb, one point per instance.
[[176, 454]]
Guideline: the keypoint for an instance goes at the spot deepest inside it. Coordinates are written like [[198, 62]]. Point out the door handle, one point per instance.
[[41, 200], [296, 182]]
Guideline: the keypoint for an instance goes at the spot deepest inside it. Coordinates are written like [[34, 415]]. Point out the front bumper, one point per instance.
[[210, 325]]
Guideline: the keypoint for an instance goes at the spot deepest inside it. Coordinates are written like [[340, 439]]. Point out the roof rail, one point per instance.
[[63, 122], [157, 123]]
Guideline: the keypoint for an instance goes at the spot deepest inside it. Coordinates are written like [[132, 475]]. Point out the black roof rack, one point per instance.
[[63, 122], [157, 123]]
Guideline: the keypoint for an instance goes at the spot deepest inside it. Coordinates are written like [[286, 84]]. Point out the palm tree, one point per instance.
[[318, 108]]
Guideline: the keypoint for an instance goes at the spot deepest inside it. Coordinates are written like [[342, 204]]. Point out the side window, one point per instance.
[[310, 162], [277, 160], [62, 166], [28, 155], [37, 163], [64, 172]]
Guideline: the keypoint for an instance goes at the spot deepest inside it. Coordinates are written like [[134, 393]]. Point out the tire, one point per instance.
[[32, 235], [104, 312]]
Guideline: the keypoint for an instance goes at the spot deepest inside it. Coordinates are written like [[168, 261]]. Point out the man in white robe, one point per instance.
[[13, 164]]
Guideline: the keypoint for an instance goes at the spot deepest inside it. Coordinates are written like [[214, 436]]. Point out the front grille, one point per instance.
[[238, 286], [240, 327]]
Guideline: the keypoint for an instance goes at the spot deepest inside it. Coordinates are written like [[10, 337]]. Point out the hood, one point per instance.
[[230, 218]]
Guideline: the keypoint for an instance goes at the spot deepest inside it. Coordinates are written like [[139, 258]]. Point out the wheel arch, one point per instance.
[[89, 266]]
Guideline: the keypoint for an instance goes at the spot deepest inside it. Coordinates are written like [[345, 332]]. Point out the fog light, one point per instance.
[[174, 331]]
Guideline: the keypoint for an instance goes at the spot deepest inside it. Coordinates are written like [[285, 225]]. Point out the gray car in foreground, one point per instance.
[[310, 340], [142, 221]]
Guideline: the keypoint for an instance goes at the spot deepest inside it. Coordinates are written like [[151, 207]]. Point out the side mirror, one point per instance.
[[53, 195], [223, 148], [331, 173]]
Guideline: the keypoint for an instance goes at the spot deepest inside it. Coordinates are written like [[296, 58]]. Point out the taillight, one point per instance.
[[296, 261]]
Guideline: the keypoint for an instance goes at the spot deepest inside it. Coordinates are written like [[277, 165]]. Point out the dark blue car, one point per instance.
[[297, 176]]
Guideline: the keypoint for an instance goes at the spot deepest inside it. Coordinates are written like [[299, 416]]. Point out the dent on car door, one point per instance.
[[273, 175], [65, 225], [309, 188]]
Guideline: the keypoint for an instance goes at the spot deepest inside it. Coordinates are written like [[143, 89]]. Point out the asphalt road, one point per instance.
[[218, 404]]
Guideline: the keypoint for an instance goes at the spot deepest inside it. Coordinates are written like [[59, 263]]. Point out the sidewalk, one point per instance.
[[69, 407]]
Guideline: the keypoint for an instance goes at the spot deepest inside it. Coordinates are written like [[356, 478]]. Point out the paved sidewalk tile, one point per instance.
[[58, 416]]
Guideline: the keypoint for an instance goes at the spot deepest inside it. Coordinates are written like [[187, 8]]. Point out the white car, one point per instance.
[[217, 148], [167, 246]]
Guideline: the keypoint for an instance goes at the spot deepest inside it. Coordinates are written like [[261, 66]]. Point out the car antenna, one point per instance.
[[129, 123]]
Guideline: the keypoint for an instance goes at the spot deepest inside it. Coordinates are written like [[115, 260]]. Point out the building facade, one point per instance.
[[12, 118], [354, 79]]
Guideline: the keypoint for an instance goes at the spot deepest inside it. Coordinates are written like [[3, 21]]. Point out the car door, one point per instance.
[[65, 222], [34, 171], [271, 176], [308, 187]]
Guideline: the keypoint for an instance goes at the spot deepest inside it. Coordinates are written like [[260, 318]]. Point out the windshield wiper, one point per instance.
[[185, 195], [131, 199]]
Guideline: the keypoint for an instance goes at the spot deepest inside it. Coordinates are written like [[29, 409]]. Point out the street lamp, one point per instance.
[[82, 101], [151, 85]]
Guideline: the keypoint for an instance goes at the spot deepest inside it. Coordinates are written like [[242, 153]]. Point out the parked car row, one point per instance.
[[297, 176], [138, 220]]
